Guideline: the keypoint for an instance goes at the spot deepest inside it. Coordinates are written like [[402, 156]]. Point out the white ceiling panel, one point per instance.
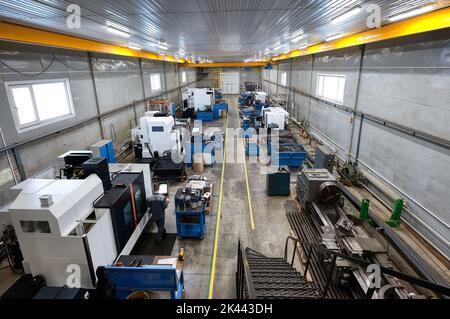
[[220, 30]]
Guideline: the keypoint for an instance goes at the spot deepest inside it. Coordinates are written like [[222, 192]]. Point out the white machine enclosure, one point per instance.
[[275, 116], [261, 97], [199, 98], [158, 134], [63, 233]]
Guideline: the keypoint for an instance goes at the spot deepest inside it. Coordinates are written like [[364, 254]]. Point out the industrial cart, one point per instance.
[[190, 211]]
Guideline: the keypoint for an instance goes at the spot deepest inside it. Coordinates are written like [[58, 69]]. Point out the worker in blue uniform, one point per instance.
[[158, 204]]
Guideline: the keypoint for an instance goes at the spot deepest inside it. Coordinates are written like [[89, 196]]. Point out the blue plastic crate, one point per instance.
[[293, 159]]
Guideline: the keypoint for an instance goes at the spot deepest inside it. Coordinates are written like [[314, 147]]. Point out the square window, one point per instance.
[[331, 87], [24, 105], [36, 103], [284, 79], [155, 82], [56, 106]]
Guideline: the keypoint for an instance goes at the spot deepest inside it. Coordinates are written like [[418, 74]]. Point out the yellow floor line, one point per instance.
[[248, 188], [219, 215]]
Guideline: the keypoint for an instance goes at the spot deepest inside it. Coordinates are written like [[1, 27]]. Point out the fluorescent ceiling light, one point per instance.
[[162, 46], [297, 33], [303, 46], [411, 13], [278, 47], [295, 40], [346, 15], [118, 32], [334, 37], [135, 47]]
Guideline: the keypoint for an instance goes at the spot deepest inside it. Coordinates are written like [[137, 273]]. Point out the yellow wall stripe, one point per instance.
[[24, 34], [435, 20]]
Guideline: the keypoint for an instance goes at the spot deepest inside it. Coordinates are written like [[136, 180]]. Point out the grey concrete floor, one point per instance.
[[268, 237], [7, 277]]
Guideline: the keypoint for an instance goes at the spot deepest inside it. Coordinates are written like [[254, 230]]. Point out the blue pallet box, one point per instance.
[[206, 116], [291, 155], [218, 108]]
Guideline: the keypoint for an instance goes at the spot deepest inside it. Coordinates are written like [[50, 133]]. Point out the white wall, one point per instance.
[[120, 90]]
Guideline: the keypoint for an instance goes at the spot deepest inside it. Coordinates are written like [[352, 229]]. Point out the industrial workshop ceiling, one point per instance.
[[209, 30]]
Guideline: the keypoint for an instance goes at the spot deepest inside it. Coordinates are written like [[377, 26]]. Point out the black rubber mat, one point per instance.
[[147, 245]]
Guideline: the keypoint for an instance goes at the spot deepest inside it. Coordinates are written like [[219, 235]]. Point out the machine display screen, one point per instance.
[[158, 129], [128, 215]]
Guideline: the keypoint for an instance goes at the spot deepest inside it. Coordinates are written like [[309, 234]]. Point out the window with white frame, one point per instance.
[[331, 87], [284, 79], [155, 82], [183, 77], [41, 102]]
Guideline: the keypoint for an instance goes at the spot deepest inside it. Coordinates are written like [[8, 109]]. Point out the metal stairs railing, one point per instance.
[[261, 277]]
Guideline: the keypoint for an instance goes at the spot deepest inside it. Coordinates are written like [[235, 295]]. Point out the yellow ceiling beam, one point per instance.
[[225, 65], [435, 20], [24, 34]]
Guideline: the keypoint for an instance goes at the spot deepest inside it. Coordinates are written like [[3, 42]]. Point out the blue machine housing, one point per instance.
[[205, 116], [258, 108], [214, 114], [246, 98], [193, 148], [246, 122], [251, 142], [251, 149], [220, 106], [104, 149]]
